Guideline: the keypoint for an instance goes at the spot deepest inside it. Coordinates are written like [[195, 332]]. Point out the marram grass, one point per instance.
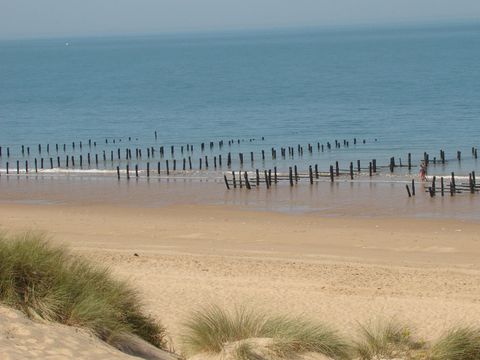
[[47, 281], [212, 329], [387, 339], [459, 343]]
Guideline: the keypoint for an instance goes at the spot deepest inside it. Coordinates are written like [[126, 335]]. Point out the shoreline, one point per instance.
[[341, 199]]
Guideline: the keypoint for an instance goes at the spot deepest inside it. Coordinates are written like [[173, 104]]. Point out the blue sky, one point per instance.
[[61, 18]]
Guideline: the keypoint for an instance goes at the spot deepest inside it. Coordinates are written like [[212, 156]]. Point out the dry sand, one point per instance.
[[21, 338], [340, 270]]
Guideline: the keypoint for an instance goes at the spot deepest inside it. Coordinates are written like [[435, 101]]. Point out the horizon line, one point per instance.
[[403, 24]]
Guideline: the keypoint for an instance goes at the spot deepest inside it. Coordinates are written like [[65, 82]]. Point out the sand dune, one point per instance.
[[21, 338], [338, 270]]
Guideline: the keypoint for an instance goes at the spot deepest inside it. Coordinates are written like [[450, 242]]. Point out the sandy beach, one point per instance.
[[343, 270]]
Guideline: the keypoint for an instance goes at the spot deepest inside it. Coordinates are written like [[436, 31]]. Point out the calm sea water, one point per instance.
[[412, 89]]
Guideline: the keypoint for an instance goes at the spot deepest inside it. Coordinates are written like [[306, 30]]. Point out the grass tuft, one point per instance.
[[212, 329], [46, 281], [386, 339], [460, 343]]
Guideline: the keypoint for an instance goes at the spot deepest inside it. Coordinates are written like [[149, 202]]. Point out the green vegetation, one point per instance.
[[46, 281], [386, 339], [460, 343], [212, 330]]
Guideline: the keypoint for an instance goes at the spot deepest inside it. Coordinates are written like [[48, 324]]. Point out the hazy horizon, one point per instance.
[[56, 18]]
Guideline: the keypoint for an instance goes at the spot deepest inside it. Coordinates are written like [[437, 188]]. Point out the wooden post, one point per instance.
[[234, 181], [36, 165], [257, 177], [374, 165], [310, 173], [453, 181], [290, 175], [459, 155], [337, 169], [26, 166], [296, 173], [226, 181], [316, 171], [370, 170], [442, 186], [413, 187], [351, 170], [148, 169], [136, 171], [266, 180], [118, 172], [434, 190], [331, 173], [409, 161], [358, 166], [408, 191], [167, 167], [128, 172], [158, 168], [275, 174], [247, 183]]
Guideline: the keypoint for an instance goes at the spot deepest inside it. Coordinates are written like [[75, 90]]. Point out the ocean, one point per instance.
[[395, 90]]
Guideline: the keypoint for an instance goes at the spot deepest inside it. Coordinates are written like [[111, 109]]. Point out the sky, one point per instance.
[[63, 18]]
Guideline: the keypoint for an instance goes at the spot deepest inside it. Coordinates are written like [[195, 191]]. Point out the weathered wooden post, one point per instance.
[[331, 173], [247, 182], [226, 181], [408, 190]]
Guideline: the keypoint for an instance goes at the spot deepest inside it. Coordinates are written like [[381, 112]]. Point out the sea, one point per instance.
[[376, 91]]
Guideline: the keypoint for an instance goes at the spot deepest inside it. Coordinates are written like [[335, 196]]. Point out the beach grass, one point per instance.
[[46, 281], [458, 343], [212, 330], [387, 339]]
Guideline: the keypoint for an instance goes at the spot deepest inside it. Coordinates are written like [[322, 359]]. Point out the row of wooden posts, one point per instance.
[[452, 188], [293, 175], [188, 147]]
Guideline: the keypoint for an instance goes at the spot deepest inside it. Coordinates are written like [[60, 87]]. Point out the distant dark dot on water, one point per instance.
[[136, 254]]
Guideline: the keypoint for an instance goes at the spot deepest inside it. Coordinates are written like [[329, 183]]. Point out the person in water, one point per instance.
[[423, 171]]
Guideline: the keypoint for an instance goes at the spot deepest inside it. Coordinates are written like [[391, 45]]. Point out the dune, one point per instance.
[[22, 338]]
